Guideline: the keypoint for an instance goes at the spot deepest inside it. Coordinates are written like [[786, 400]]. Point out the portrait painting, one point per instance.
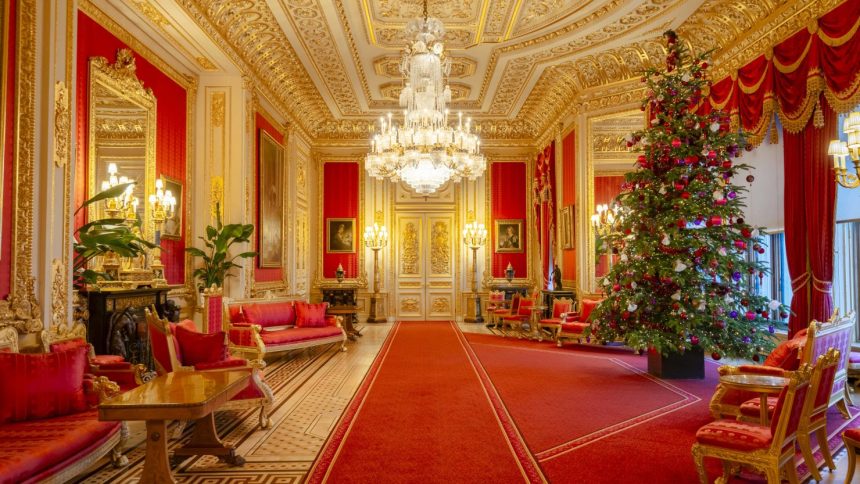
[[341, 235], [172, 228], [509, 236], [271, 201]]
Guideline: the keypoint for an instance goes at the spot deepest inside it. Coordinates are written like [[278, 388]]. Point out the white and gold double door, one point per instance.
[[425, 257]]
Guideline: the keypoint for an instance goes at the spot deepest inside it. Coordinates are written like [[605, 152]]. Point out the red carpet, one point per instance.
[[423, 414], [613, 425]]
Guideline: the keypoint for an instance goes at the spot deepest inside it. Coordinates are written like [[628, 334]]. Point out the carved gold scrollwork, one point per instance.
[[409, 305], [441, 305], [409, 256], [440, 253]]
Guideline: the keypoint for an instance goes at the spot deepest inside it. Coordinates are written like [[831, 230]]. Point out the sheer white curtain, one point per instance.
[[846, 270]]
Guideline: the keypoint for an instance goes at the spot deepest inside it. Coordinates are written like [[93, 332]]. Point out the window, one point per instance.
[[846, 267], [776, 284]]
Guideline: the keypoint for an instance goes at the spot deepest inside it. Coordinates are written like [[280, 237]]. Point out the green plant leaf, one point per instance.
[[112, 192]]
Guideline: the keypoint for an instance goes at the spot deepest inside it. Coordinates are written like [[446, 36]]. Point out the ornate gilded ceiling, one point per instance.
[[517, 65]]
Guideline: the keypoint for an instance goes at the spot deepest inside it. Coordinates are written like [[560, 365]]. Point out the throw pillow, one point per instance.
[[785, 355], [200, 348], [310, 315], [270, 313], [42, 385]]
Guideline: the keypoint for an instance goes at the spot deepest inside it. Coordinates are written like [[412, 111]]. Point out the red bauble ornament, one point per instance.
[[715, 356], [750, 315], [715, 220], [712, 154], [676, 143], [679, 186], [720, 202], [681, 223], [694, 340], [685, 195], [616, 287], [740, 244], [746, 232], [720, 324], [727, 164]]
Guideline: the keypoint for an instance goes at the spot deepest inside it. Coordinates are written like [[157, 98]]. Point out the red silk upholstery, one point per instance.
[[229, 362], [311, 315], [735, 435], [853, 434], [237, 315], [107, 360], [762, 370], [559, 308], [270, 313], [158, 342], [577, 327], [752, 407], [509, 186], [42, 385], [786, 354], [37, 449], [241, 336], [525, 308], [294, 335], [199, 348], [587, 306]]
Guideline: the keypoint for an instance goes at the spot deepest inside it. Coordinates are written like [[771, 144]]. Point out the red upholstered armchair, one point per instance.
[[516, 319], [113, 367], [766, 447], [560, 309], [500, 310], [575, 324], [180, 347], [805, 347]]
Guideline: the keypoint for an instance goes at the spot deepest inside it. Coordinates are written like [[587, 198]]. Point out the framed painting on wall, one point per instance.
[[341, 235], [172, 228], [564, 228], [271, 201], [509, 235]]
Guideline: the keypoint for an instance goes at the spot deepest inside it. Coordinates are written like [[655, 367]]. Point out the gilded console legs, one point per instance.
[[699, 459], [806, 450]]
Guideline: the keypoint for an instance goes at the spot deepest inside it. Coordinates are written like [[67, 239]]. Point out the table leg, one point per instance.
[[156, 467], [205, 441], [763, 408]]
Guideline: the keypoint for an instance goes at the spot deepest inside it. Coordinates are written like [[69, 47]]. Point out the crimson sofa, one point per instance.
[[260, 327], [49, 426]]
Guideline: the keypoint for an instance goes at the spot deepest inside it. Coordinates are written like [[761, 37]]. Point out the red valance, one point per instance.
[[822, 58]]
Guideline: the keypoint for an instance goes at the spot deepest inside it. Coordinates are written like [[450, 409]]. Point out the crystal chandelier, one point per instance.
[[425, 152]]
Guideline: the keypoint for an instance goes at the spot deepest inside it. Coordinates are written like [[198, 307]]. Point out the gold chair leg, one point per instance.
[[842, 405], [791, 470], [699, 459], [773, 476], [821, 436], [852, 460], [806, 450]]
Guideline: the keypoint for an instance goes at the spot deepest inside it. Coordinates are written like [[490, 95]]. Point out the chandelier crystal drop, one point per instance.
[[424, 151]]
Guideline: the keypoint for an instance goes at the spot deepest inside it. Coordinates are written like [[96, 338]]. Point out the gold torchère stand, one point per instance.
[[475, 236], [375, 238]]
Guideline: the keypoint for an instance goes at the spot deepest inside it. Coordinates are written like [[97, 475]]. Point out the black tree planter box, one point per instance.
[[689, 364]]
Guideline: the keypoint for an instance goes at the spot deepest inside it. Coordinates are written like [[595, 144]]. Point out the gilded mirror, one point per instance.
[[122, 122], [609, 160]]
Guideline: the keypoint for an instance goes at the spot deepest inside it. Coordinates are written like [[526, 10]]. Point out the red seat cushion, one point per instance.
[[310, 315], [752, 407], [266, 314], [587, 306], [237, 315], [853, 434], [99, 360], [734, 435], [230, 362], [200, 348], [42, 385], [577, 328], [39, 448], [551, 321], [295, 335]]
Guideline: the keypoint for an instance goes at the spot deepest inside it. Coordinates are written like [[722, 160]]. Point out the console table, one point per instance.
[[117, 325], [339, 296]]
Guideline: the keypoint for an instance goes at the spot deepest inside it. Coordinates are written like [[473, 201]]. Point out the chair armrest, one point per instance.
[[123, 373], [334, 320], [101, 386], [242, 339]]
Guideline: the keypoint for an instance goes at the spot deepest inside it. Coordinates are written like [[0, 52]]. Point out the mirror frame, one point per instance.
[[593, 286], [122, 80]]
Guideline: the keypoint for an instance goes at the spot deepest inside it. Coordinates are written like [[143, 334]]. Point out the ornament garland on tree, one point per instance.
[[683, 280]]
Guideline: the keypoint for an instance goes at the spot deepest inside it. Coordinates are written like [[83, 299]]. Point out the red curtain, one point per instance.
[[821, 59], [544, 207], [810, 206]]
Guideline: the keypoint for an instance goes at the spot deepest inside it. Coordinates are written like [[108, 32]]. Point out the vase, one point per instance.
[[687, 365]]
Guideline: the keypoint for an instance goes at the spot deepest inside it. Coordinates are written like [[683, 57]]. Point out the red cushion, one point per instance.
[[236, 314], [577, 328], [731, 434], [853, 434], [230, 362], [39, 448], [295, 335], [310, 315], [551, 321], [200, 348], [42, 385], [267, 314], [785, 355], [68, 344], [752, 407], [107, 360], [762, 370]]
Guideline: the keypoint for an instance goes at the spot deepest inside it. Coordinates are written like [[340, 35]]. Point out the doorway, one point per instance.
[[425, 260]]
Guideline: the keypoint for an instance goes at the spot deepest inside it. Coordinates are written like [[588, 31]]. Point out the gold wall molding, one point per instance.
[[59, 293], [62, 124], [21, 310], [218, 109]]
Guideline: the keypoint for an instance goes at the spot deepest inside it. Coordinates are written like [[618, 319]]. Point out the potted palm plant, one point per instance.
[[217, 262]]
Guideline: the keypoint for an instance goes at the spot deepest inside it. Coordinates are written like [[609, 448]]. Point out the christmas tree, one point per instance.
[[682, 279]]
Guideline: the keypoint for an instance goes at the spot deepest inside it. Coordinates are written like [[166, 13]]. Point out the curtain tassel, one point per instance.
[[774, 131], [818, 116]]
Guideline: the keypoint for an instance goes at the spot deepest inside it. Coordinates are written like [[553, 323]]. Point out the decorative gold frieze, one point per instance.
[[218, 109], [440, 254], [62, 124], [409, 249], [59, 292]]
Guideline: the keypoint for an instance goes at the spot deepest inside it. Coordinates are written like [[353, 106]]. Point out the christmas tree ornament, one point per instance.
[[680, 266], [773, 305], [666, 240], [722, 251], [632, 307]]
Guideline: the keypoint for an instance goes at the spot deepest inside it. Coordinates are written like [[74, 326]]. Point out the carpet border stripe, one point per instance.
[[527, 462], [322, 465]]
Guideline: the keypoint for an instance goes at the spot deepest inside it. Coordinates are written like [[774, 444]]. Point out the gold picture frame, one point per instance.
[[340, 235], [172, 228], [568, 227], [509, 235], [270, 199], [4, 77]]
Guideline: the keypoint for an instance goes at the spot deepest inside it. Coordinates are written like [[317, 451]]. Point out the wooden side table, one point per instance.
[[764, 385], [178, 396], [348, 314]]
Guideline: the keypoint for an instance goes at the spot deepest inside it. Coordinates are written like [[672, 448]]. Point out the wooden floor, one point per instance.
[[314, 388]]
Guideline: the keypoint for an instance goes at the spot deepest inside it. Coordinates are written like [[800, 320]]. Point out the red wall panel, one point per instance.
[[605, 190], [171, 144], [568, 197], [509, 183], [340, 200], [7, 85], [263, 274]]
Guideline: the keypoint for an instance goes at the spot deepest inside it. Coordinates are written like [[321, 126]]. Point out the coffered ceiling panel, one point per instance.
[[516, 64]]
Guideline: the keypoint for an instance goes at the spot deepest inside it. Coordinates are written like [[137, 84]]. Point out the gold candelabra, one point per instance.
[[163, 205], [375, 239], [841, 151], [122, 206], [603, 222], [475, 236]]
